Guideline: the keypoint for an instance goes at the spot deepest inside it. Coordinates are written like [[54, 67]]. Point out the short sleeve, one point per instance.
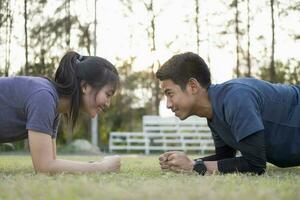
[[217, 139], [242, 113], [41, 112], [55, 126]]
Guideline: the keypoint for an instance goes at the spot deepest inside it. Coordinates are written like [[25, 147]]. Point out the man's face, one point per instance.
[[179, 101]]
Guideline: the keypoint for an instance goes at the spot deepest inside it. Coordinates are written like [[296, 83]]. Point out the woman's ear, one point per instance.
[[83, 85]]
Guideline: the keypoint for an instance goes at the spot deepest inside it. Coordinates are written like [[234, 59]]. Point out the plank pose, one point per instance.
[[30, 107], [255, 117]]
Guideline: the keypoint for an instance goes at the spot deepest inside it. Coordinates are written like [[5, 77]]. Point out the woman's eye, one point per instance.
[[170, 95]]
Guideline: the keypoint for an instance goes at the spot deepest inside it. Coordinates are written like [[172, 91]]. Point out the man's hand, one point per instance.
[[176, 161]]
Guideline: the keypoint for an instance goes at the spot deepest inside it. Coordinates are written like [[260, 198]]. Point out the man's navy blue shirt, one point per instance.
[[242, 107]]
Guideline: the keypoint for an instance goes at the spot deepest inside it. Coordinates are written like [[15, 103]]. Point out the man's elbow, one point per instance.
[[258, 170]]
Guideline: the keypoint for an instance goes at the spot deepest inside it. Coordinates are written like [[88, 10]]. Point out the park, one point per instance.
[[155, 99]]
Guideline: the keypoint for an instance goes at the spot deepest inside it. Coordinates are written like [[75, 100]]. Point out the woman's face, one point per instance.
[[96, 101]]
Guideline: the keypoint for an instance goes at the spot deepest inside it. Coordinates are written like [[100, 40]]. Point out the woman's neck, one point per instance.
[[64, 105]]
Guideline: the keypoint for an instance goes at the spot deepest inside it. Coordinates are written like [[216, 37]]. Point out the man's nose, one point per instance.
[[169, 104]]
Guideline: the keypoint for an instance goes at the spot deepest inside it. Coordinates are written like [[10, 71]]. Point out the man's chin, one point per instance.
[[181, 116]]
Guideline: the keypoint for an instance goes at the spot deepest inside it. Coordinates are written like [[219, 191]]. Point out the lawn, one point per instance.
[[140, 178]]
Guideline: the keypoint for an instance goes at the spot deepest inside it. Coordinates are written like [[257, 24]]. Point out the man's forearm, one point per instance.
[[231, 165], [221, 153], [253, 159], [239, 164]]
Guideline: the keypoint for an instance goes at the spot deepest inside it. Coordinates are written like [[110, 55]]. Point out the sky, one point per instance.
[[113, 32], [121, 36]]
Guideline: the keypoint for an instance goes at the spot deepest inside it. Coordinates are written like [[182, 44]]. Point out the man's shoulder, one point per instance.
[[243, 83], [234, 88]]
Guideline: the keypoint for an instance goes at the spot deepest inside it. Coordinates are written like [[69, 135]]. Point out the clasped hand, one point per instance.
[[176, 161]]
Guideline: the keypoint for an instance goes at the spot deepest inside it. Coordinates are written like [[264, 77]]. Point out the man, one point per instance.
[[257, 118]]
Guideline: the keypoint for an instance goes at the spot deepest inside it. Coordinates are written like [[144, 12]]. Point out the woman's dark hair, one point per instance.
[[181, 67], [74, 68]]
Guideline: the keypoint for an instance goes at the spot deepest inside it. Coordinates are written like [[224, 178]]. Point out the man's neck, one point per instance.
[[203, 106]]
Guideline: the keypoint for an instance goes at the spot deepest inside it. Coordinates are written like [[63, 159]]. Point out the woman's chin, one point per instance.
[[93, 115]]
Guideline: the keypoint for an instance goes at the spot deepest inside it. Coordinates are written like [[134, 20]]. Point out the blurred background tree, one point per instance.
[[40, 32]]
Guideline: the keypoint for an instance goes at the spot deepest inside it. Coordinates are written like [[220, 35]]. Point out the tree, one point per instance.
[[151, 30], [272, 64], [26, 36], [233, 28], [197, 24], [126, 112], [248, 40], [8, 31], [3, 11], [285, 72], [235, 4], [295, 7], [6, 21]]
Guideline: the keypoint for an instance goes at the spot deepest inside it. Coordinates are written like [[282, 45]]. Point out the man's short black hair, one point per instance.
[[181, 67]]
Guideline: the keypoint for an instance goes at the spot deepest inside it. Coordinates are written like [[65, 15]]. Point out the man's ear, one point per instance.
[[193, 85]]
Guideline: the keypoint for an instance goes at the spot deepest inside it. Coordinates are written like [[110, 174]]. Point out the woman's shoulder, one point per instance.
[[42, 85], [17, 90]]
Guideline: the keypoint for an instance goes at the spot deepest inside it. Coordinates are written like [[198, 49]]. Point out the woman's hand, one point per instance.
[[111, 163]]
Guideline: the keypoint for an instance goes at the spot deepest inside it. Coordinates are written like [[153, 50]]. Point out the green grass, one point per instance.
[[140, 178]]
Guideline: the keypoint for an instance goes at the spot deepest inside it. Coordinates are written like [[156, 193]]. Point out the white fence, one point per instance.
[[165, 134]]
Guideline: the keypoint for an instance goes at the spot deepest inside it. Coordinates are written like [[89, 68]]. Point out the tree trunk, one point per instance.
[[248, 40], [208, 38], [26, 37], [8, 31], [237, 33], [272, 65], [68, 24], [197, 25], [8, 46], [155, 88]]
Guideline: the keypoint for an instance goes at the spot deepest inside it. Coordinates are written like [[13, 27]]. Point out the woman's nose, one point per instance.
[[107, 104]]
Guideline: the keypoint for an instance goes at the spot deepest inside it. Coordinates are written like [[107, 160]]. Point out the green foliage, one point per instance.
[[4, 12], [125, 113], [285, 73], [141, 178]]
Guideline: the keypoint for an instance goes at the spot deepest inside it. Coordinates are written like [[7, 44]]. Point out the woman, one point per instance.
[[30, 108]]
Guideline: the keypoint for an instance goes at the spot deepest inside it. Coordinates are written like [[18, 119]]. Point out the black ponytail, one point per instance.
[[72, 69]]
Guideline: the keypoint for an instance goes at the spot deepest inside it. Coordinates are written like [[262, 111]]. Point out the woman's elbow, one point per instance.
[[44, 168]]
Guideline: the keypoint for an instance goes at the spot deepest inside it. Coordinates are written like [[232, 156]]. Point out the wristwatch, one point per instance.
[[199, 166]]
